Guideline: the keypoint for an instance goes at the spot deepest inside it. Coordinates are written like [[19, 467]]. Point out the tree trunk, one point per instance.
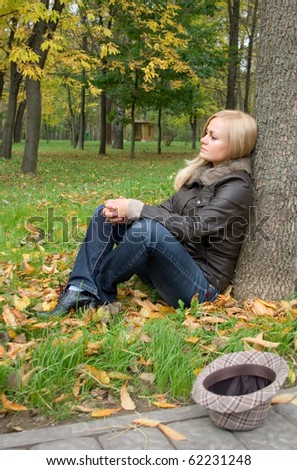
[[233, 10], [2, 76], [159, 131], [102, 148], [74, 129], [18, 126], [33, 93], [133, 133], [193, 122], [38, 35], [250, 56], [82, 121], [15, 81], [118, 129], [108, 123], [268, 261]]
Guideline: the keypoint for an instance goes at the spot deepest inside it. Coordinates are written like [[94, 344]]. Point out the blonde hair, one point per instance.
[[241, 134]]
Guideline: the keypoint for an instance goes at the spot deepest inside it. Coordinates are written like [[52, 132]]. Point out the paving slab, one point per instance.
[[279, 431]]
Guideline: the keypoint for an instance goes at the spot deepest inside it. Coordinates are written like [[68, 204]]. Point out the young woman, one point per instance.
[[187, 245]]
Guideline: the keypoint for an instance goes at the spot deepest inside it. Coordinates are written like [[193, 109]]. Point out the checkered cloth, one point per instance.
[[241, 410]]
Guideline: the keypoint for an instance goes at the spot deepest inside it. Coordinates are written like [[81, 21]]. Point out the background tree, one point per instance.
[[268, 263]]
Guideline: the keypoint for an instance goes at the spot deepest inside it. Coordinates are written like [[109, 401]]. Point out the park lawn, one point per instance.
[[92, 362]]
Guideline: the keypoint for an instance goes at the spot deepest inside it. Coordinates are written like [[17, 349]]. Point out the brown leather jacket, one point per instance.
[[210, 217]]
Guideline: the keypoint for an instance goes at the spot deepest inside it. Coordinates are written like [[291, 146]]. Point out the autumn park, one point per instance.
[[101, 99]]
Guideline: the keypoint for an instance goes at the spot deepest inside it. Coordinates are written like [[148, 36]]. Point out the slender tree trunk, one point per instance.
[[118, 129], [233, 10], [246, 104], [33, 92], [2, 76], [102, 148], [267, 266], [74, 129], [133, 134], [133, 106], [15, 81], [193, 122], [159, 151], [82, 122], [18, 126], [108, 123]]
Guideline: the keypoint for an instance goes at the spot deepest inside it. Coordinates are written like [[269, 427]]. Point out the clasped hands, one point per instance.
[[115, 210]]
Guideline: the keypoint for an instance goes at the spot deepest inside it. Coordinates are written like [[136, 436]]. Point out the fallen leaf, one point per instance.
[[147, 377], [282, 398], [61, 398], [9, 317], [192, 339], [10, 406], [21, 304], [101, 413], [126, 401], [119, 376], [260, 343], [169, 432], [161, 404], [83, 409], [150, 423], [98, 374], [291, 376]]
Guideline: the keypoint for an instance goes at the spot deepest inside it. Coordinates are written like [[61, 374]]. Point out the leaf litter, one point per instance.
[[218, 319]]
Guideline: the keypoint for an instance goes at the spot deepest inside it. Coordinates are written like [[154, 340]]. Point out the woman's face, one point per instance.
[[214, 145]]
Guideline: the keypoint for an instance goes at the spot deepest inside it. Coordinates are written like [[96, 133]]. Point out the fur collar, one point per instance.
[[209, 174]]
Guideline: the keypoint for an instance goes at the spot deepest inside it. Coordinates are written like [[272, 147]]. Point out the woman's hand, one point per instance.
[[115, 210]]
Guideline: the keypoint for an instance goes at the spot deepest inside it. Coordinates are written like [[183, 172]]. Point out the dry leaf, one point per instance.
[[260, 343], [149, 423], [147, 377], [10, 406], [192, 339], [83, 409], [119, 376], [98, 374], [61, 398], [282, 398], [101, 413], [76, 388], [291, 376], [126, 401], [9, 317], [161, 404], [174, 435]]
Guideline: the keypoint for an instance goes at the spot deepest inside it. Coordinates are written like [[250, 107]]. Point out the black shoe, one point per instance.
[[71, 299]]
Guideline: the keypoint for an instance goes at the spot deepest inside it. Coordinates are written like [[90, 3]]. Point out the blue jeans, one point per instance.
[[111, 254]]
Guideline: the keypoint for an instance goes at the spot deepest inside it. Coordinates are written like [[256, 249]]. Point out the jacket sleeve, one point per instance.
[[198, 219]]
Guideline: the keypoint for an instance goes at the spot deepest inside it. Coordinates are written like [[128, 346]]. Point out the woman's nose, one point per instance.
[[204, 139]]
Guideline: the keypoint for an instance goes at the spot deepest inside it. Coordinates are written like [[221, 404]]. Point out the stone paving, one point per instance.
[[279, 431]]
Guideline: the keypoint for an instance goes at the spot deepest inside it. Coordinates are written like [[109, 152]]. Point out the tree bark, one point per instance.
[[17, 137], [108, 123], [29, 164], [233, 11], [118, 129], [102, 148], [15, 81], [268, 262], [250, 56], [82, 122], [193, 122], [133, 133], [159, 150]]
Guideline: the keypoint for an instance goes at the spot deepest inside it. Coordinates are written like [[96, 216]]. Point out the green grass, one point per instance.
[[59, 201]]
